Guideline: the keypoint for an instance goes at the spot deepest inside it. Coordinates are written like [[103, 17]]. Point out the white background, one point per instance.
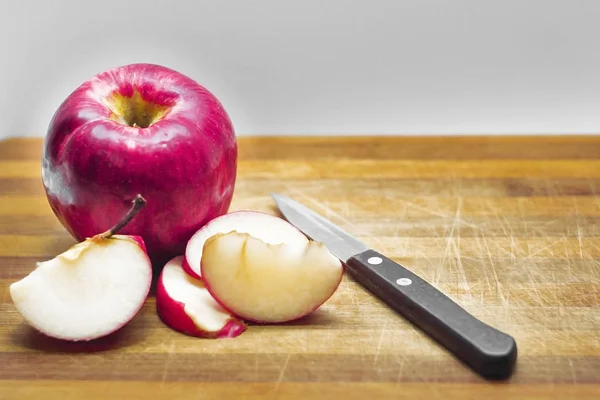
[[322, 66]]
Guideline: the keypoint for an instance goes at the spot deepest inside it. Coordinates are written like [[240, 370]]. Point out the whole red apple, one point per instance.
[[147, 129]]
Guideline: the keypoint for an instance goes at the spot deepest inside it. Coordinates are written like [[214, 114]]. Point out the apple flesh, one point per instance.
[[266, 227], [89, 291], [184, 304], [263, 282], [140, 128]]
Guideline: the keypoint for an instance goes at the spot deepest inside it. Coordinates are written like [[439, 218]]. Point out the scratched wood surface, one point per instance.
[[508, 227]]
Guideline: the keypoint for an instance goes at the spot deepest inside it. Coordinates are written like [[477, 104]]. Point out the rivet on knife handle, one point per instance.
[[488, 351]]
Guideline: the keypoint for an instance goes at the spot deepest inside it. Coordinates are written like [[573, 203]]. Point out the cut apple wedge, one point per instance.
[[267, 283], [268, 228], [89, 291], [184, 304]]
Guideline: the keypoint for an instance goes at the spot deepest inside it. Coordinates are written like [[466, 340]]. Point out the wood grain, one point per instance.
[[506, 226]]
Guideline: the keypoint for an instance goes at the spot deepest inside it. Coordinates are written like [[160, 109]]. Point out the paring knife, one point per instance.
[[489, 352]]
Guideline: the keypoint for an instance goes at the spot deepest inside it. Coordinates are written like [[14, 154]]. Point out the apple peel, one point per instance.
[[268, 283], [185, 305]]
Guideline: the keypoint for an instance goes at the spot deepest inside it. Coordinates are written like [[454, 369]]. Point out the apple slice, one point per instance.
[[268, 228], [91, 290], [184, 304], [267, 283]]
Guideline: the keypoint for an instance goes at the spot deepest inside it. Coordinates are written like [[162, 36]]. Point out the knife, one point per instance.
[[486, 350]]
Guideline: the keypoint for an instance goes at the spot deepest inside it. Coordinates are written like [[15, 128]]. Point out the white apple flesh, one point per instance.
[[268, 228], [184, 304], [267, 283], [89, 291]]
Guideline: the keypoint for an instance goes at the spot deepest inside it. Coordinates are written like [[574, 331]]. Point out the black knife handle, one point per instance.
[[489, 352]]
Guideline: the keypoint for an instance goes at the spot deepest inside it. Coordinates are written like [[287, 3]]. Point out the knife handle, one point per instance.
[[486, 350]]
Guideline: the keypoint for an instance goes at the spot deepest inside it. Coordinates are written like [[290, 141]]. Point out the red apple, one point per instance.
[[145, 129]]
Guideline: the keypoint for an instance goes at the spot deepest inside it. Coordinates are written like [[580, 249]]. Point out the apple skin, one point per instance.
[[140, 241], [184, 164], [188, 270]]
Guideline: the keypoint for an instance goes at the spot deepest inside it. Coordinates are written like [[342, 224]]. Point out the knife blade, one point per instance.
[[486, 350]]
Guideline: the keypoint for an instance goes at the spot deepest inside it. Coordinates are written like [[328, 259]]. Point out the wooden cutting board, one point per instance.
[[507, 227]]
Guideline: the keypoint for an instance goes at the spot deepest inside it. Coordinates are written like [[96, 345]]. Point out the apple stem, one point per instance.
[[138, 203]]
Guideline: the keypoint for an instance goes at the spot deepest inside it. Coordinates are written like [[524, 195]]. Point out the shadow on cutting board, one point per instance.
[[319, 318], [27, 337]]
